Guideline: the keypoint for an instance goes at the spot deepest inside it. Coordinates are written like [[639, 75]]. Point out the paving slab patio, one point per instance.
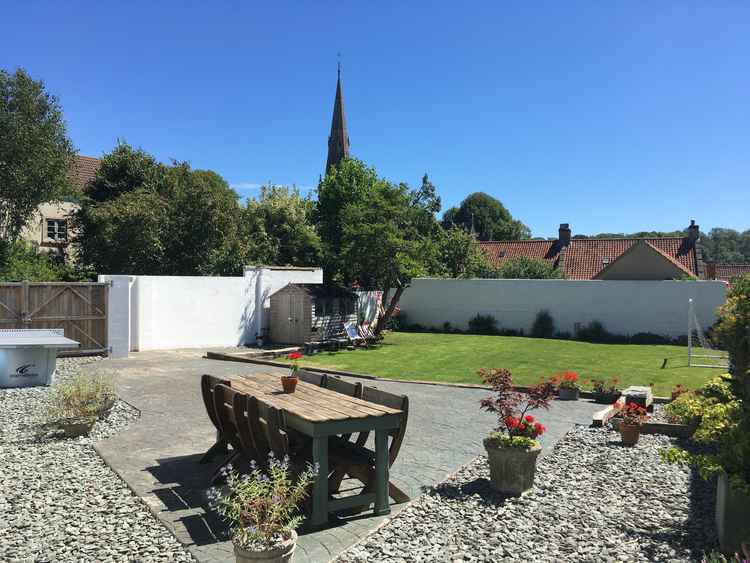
[[158, 456]]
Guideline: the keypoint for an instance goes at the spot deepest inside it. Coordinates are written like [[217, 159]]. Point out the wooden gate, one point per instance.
[[78, 308]]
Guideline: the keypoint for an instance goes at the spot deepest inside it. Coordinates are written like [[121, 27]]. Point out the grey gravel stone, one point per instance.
[[58, 500], [593, 500]]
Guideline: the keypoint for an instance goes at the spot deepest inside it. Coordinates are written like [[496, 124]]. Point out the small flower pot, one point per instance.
[[630, 433], [289, 383], [511, 469], [606, 398], [282, 553], [568, 393]]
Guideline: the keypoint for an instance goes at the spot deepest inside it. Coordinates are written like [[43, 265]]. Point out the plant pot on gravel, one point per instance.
[[568, 394], [512, 450], [262, 509], [605, 392], [282, 553], [75, 427], [633, 416]]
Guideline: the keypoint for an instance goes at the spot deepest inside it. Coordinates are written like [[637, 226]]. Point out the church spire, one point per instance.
[[338, 141]]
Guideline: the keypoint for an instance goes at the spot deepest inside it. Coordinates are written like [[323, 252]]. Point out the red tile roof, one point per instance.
[[726, 272], [84, 170], [584, 259]]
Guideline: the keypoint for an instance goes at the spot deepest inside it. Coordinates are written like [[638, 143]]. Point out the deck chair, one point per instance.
[[347, 456], [313, 377], [352, 333], [208, 383]]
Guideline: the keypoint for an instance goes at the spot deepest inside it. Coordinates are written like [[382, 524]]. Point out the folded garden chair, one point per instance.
[[208, 384], [357, 461]]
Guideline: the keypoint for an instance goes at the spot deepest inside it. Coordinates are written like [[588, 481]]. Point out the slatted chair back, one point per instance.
[[208, 383], [223, 396], [393, 401], [313, 377], [344, 387], [260, 428]]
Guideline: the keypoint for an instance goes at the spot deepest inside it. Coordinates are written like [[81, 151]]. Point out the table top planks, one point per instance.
[[310, 402]]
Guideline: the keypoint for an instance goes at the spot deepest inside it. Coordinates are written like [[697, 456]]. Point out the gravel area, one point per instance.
[[58, 500], [593, 500]]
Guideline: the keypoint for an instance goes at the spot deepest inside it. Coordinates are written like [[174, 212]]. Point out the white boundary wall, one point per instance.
[[163, 312], [624, 307]]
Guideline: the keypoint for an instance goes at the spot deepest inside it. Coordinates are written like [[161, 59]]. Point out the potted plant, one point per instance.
[[289, 381], [567, 385], [633, 416], [512, 449], [262, 510], [76, 404], [605, 392]]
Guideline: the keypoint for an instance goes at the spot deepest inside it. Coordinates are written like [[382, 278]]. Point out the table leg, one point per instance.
[[320, 488], [381, 472]]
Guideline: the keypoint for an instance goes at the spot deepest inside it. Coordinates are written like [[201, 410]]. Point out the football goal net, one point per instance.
[[701, 353]]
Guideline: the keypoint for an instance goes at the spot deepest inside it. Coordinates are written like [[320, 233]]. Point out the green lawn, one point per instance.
[[457, 357]]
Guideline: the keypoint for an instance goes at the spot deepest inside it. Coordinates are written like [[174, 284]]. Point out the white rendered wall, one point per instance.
[[164, 312], [624, 307]]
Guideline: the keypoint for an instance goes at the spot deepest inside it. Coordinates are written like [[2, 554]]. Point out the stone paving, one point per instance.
[[158, 456]]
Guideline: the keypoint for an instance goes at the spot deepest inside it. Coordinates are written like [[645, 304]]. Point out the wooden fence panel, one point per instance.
[[80, 309]]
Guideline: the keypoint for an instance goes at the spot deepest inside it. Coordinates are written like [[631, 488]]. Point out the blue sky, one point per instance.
[[612, 116]]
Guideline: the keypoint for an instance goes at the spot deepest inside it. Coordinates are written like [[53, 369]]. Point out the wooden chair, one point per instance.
[[347, 457], [208, 383], [313, 377], [223, 396], [335, 383]]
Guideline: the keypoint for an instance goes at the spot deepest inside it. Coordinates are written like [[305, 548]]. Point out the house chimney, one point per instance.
[[564, 233], [694, 231]]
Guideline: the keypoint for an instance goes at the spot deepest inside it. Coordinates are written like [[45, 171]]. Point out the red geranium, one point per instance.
[[528, 418], [294, 356]]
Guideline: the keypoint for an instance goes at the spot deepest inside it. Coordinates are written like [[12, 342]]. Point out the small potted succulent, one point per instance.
[[513, 448], [605, 392], [568, 388], [633, 416], [262, 509], [289, 381]]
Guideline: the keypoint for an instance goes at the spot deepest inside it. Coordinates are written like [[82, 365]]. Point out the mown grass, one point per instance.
[[457, 357]]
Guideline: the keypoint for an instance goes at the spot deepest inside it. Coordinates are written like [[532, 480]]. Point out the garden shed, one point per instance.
[[303, 313]]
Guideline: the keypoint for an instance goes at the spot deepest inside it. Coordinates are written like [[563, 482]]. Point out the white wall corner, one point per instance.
[[118, 315]]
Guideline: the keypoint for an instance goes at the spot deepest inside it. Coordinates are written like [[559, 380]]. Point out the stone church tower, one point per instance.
[[338, 141]]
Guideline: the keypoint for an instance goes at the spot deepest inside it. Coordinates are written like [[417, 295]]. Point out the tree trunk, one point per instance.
[[383, 321]]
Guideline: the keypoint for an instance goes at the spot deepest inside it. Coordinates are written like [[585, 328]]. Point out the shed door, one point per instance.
[[297, 330]]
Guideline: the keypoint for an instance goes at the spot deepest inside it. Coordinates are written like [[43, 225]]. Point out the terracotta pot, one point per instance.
[[630, 433], [568, 394], [511, 469], [289, 383], [281, 554]]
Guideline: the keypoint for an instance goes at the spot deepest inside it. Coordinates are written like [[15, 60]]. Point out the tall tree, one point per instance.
[[525, 268], [36, 154], [487, 217], [279, 230], [374, 232], [462, 257], [143, 217]]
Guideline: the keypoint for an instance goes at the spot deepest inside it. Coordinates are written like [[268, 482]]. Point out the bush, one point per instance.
[[483, 324], [82, 396], [544, 325], [21, 261], [594, 332]]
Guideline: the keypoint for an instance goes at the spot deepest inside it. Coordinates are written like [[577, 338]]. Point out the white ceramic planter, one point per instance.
[[511, 469], [281, 554]]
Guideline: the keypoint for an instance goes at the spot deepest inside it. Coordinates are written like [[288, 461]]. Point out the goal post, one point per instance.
[[706, 356]]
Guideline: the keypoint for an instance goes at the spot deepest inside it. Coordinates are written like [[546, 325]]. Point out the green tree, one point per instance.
[[462, 257], [36, 154], [525, 268], [374, 232], [488, 217], [727, 246], [21, 261], [278, 227], [147, 218]]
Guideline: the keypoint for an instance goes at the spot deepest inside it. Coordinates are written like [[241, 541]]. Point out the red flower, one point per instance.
[[511, 422], [539, 429], [570, 376], [294, 356], [528, 418]]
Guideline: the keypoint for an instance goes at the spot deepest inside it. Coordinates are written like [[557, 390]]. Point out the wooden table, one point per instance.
[[321, 413]]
